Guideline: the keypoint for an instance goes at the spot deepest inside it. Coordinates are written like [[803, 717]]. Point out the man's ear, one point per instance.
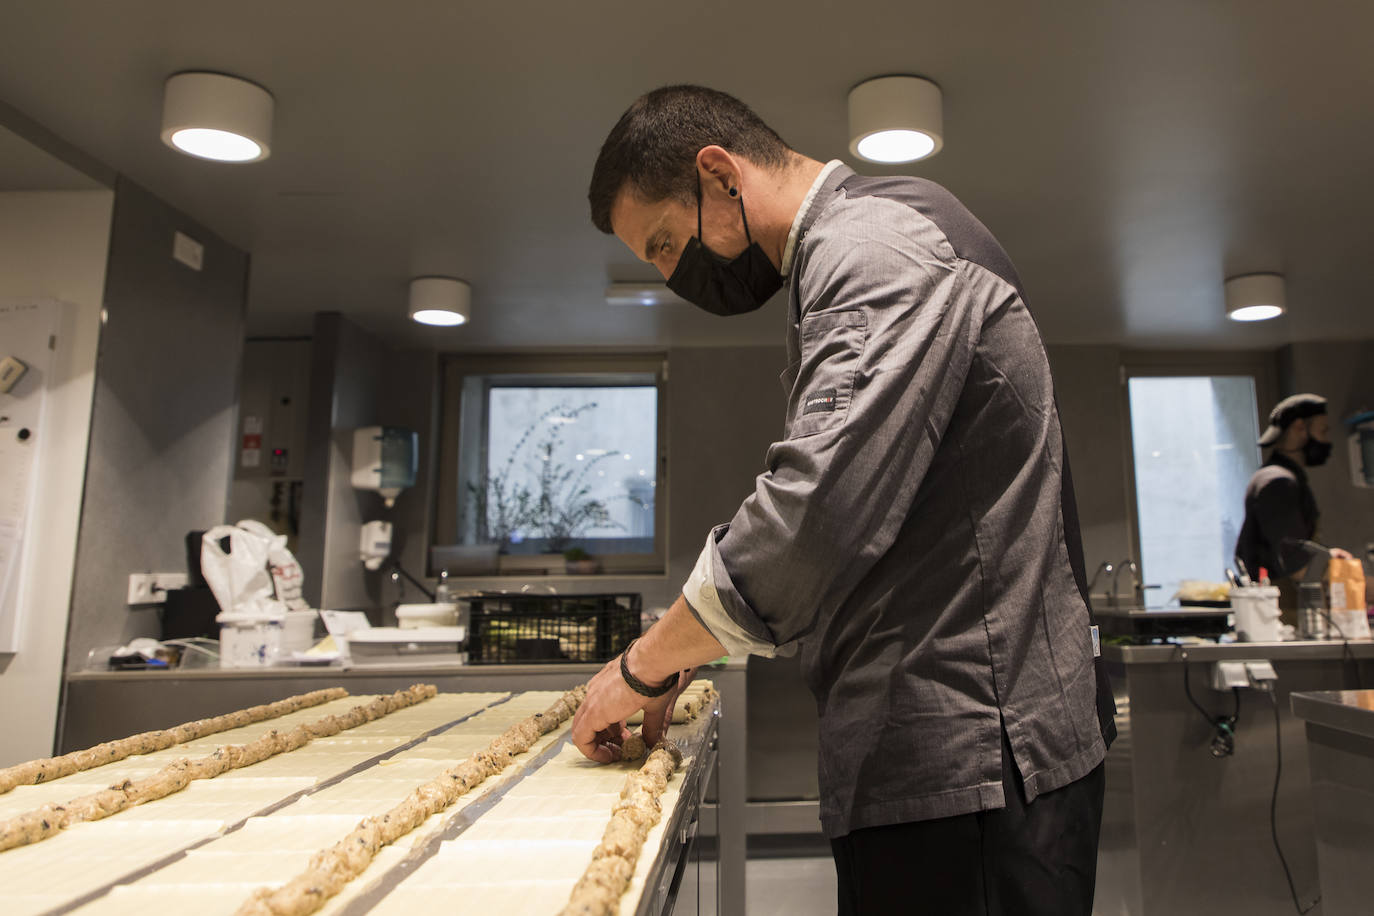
[[718, 170]]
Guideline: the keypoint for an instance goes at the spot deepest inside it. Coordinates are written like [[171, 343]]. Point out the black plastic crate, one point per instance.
[[507, 628]]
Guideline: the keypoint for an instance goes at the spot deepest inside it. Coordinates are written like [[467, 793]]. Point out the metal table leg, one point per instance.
[[732, 785]]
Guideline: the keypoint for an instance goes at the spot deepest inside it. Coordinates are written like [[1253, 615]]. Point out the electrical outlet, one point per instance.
[[151, 588]]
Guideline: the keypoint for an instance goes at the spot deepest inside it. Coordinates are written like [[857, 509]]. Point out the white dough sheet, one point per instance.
[[525, 853], [90, 856], [270, 850], [473, 735], [87, 857]]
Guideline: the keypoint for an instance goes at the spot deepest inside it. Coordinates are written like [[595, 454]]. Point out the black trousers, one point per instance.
[[1022, 860]]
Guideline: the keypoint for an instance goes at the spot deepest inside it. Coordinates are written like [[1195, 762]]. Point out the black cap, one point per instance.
[[1292, 408]]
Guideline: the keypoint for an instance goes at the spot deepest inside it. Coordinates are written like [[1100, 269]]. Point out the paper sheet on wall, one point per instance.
[[27, 332], [16, 469], [15, 473]]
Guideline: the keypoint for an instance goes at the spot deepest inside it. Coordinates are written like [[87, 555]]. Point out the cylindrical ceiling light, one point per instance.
[[1255, 297], [215, 116], [895, 119], [441, 301]]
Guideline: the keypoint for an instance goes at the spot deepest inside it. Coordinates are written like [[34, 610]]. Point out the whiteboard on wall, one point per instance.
[[28, 333]]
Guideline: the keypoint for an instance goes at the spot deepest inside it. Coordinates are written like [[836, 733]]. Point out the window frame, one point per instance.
[[456, 368], [1260, 366]]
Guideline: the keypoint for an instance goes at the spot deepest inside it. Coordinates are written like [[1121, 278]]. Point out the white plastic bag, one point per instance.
[[239, 578], [285, 570]]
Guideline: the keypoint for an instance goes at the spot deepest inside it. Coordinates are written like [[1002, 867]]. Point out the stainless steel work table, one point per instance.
[[1340, 756], [1184, 832], [98, 706]]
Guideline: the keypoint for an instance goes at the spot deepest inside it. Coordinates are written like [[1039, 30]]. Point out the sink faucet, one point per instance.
[[1136, 585], [1105, 567]]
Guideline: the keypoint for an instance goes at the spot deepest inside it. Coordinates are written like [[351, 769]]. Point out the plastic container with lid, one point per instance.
[[415, 616], [392, 645], [249, 640]]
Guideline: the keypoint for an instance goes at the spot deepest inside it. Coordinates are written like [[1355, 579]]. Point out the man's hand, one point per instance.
[[599, 725], [677, 639], [599, 728], [1339, 554]]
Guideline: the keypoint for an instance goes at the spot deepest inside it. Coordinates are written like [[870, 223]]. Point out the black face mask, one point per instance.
[[1315, 452], [720, 285]]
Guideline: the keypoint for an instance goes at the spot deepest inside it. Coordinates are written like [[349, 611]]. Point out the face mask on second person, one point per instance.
[[1315, 452]]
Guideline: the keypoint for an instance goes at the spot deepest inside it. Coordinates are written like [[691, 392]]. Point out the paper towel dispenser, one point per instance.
[[385, 459]]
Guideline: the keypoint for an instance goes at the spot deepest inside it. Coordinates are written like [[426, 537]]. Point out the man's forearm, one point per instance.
[[676, 642]]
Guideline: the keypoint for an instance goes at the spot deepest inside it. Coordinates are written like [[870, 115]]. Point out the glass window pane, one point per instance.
[[565, 465], [1193, 440]]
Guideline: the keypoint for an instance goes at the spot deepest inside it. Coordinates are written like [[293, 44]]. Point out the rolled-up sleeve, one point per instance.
[[890, 327], [703, 597]]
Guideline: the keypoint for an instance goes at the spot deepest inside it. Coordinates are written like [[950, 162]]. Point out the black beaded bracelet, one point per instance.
[[639, 686]]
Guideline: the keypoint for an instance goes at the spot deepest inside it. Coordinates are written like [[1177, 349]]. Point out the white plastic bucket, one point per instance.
[[1257, 613], [249, 642]]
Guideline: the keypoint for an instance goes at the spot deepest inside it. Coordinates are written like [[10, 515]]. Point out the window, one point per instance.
[[542, 455], [1193, 451]]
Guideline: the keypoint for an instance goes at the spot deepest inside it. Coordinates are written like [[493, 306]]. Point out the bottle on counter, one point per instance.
[[447, 593], [444, 593]]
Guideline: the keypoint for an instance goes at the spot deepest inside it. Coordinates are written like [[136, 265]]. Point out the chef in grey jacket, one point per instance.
[[914, 535]]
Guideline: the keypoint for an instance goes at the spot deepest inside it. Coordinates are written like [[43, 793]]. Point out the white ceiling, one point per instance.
[[1128, 155]]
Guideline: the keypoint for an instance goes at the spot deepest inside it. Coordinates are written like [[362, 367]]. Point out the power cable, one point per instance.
[[1274, 809], [1224, 739], [1347, 654]]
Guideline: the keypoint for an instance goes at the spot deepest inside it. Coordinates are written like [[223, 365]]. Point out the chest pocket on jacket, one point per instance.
[[832, 345]]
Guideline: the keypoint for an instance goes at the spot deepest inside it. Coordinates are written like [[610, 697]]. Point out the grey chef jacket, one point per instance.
[[1280, 510], [914, 529]]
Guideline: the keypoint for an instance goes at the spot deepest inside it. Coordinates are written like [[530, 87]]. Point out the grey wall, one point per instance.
[[357, 380], [1343, 373], [1087, 383], [274, 395], [164, 412], [725, 407]]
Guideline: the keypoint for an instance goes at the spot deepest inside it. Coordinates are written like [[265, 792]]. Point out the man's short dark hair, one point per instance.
[[653, 147]]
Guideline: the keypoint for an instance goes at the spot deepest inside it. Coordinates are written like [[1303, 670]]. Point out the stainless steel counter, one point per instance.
[[98, 706], [1185, 832], [1303, 650], [1340, 753], [1349, 711]]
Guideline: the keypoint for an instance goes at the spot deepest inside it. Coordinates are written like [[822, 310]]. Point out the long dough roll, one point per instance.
[[331, 868], [50, 768], [48, 820], [599, 890]]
